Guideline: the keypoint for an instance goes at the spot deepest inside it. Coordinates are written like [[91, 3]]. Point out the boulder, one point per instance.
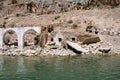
[[54, 47], [51, 43], [76, 47], [91, 40], [105, 49]]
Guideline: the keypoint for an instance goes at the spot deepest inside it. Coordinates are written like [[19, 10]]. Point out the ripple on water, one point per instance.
[[60, 68]]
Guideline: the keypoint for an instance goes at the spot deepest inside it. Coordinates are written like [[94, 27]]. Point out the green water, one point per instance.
[[60, 68]]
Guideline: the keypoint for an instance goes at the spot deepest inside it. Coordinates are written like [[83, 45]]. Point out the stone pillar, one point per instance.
[[1, 38], [1, 41], [20, 39]]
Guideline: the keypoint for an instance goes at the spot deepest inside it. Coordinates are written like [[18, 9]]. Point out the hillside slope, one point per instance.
[[18, 15], [107, 18]]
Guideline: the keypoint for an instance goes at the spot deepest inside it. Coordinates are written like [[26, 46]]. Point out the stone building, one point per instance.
[[59, 38]]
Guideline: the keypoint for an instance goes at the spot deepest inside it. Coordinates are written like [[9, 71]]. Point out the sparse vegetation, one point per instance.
[[44, 7], [57, 17], [79, 4], [12, 25], [17, 14], [4, 24], [70, 21], [74, 26], [14, 1]]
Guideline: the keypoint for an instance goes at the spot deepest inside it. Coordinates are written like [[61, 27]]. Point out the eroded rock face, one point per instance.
[[41, 39], [110, 2], [88, 38], [50, 7], [32, 7], [91, 40]]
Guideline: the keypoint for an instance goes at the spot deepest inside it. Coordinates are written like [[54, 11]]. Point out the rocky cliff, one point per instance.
[[52, 6]]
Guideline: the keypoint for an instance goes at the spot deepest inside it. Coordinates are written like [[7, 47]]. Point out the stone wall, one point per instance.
[[20, 33]]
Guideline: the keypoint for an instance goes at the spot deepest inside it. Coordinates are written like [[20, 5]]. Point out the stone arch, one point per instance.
[[28, 37], [19, 31], [10, 37]]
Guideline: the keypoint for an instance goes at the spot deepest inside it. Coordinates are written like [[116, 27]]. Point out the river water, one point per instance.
[[60, 68]]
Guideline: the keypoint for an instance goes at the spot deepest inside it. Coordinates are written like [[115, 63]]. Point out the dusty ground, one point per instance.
[[107, 18]]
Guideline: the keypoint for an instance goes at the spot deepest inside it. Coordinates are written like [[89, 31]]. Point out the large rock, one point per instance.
[[105, 49], [91, 40], [76, 47]]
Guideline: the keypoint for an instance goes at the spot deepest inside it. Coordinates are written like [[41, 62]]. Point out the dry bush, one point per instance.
[[74, 26]]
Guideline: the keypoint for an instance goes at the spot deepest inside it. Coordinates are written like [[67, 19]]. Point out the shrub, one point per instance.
[[12, 25], [57, 17], [74, 26], [79, 4], [70, 21], [4, 24], [14, 1]]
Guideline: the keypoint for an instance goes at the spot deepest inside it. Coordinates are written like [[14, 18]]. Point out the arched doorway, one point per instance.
[[10, 39], [28, 37]]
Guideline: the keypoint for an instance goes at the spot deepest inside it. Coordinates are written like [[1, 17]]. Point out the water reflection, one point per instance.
[[1, 63], [20, 65], [60, 68]]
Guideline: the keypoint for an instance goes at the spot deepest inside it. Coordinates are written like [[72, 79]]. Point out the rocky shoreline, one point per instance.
[[58, 52], [93, 49], [109, 44], [36, 52]]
